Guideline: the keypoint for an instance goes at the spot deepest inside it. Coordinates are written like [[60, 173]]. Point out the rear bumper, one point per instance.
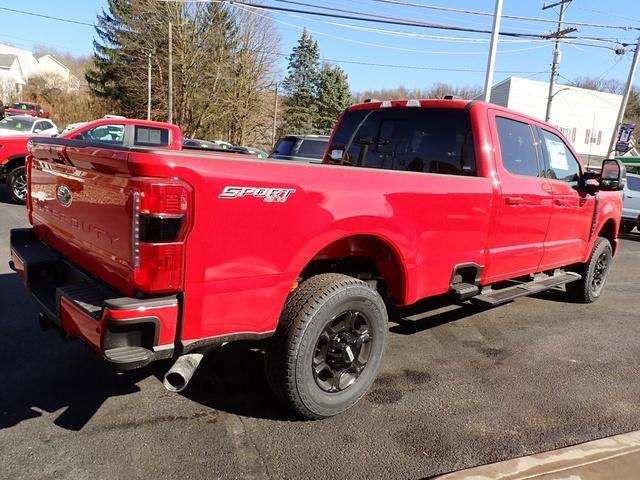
[[127, 332]]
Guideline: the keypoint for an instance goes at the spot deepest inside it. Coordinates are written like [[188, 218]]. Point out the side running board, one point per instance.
[[505, 295]]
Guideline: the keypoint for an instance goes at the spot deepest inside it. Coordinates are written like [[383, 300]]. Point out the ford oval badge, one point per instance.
[[64, 196]]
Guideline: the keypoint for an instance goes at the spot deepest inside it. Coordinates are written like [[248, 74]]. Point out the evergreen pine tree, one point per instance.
[[301, 86], [333, 97]]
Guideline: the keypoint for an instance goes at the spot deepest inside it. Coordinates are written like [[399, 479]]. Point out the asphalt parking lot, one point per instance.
[[459, 387]]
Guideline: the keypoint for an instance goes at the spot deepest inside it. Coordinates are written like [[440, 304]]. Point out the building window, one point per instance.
[[569, 133], [593, 137]]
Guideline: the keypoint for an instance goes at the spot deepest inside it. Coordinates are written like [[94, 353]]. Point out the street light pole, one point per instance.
[[170, 100], [491, 62], [275, 117], [625, 100], [149, 88]]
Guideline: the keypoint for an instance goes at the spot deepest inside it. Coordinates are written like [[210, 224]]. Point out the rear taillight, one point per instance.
[[161, 216]]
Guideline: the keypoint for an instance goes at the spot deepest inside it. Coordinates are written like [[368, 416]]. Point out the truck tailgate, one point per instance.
[[80, 206]]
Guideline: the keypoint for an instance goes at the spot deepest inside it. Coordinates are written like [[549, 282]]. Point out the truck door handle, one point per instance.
[[513, 200], [561, 203]]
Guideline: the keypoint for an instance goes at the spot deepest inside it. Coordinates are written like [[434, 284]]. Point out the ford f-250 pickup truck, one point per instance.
[[150, 254]]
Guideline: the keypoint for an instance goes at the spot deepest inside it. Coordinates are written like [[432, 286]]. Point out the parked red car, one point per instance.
[[26, 108], [148, 254]]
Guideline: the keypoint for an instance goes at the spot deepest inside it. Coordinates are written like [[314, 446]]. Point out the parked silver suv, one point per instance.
[[631, 208]]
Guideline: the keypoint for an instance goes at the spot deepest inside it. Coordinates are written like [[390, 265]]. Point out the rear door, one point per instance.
[[517, 243], [572, 212], [631, 208]]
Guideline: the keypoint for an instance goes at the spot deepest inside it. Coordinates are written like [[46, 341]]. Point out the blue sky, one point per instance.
[[339, 40]]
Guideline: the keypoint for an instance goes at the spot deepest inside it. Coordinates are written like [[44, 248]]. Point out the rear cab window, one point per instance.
[[150, 137], [428, 140], [518, 147]]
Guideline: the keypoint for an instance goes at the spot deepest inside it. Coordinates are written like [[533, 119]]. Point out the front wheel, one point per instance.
[[594, 274], [17, 185], [328, 346]]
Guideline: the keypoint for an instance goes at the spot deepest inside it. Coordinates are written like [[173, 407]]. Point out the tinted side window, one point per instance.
[[633, 183], [151, 137], [284, 146], [311, 148], [416, 140], [517, 146], [562, 164], [112, 134]]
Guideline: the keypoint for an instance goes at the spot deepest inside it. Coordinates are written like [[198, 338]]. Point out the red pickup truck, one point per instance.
[[150, 254], [26, 108], [110, 130]]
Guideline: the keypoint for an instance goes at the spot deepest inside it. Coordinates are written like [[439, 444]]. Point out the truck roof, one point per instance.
[[454, 103]]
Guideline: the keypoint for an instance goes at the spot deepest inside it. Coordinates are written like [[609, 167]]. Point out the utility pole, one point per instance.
[[170, 101], [557, 53], [275, 117], [149, 88], [625, 100], [491, 62]]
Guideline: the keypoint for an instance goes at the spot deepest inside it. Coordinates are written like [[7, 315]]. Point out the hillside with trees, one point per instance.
[[315, 93], [223, 66]]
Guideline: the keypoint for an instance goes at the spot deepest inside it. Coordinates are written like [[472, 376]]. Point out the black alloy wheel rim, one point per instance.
[[600, 272], [342, 351], [19, 186]]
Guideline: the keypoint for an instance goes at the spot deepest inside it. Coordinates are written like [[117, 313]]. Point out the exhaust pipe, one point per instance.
[[178, 376]]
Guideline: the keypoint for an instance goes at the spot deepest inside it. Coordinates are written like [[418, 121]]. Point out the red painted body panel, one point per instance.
[[244, 254]]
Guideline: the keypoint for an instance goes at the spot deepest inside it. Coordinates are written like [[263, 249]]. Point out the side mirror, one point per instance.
[[79, 136], [613, 176], [37, 130]]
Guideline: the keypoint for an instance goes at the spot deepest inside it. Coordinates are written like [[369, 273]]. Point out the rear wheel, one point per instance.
[[17, 185], [594, 274], [328, 346]]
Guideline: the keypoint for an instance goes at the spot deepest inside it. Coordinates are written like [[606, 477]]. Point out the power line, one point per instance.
[[403, 22], [378, 45], [417, 23], [513, 17], [41, 15]]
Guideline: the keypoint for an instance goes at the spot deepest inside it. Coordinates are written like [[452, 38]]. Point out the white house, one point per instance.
[[586, 117], [11, 77], [17, 66]]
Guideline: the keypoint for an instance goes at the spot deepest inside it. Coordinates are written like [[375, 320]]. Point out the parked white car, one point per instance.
[[27, 125]]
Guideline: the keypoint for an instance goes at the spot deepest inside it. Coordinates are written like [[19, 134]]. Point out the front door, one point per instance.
[[572, 213], [516, 246]]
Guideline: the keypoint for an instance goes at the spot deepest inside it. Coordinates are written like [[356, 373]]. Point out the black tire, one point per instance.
[[627, 228], [17, 185], [320, 319], [594, 274]]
